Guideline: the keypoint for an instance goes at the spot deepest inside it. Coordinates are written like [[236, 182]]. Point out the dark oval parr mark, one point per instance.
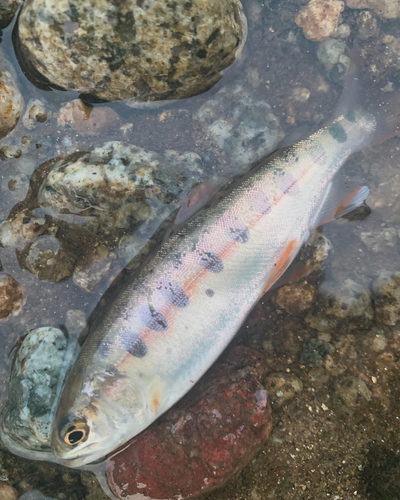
[[174, 293], [240, 234], [153, 319], [134, 345], [211, 262]]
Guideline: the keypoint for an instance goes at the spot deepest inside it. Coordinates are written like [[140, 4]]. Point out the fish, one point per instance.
[[172, 320]]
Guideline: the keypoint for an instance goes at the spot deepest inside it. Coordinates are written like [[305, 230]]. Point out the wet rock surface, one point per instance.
[[8, 9], [208, 437], [11, 102], [147, 51], [10, 296], [25, 420], [46, 258], [117, 185]]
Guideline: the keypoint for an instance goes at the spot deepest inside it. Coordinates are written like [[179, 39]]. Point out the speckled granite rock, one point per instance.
[[387, 298], [387, 9], [319, 18], [46, 258], [203, 441], [8, 9], [244, 128], [147, 50], [118, 185], [25, 418], [20, 229], [10, 296], [11, 100]]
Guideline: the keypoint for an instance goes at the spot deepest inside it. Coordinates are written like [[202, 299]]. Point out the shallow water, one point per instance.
[[328, 441]]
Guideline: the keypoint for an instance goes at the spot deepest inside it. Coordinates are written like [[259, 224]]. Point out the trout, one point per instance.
[[170, 323]]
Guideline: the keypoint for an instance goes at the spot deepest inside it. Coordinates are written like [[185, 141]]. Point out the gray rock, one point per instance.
[[314, 350], [26, 416], [331, 54], [148, 50], [118, 185], [346, 303], [243, 127], [387, 298]]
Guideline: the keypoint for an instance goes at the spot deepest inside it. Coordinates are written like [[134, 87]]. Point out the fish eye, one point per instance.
[[76, 433]]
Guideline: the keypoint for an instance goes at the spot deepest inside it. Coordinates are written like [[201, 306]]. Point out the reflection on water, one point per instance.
[[331, 339]]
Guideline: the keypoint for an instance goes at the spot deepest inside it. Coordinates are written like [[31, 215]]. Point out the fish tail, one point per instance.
[[381, 110]]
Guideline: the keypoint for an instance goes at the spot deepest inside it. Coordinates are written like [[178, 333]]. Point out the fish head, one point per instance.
[[105, 413]]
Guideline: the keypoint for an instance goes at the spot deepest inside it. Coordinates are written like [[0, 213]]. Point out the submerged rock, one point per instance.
[[282, 387], [10, 296], [118, 185], [204, 440], [146, 50], [8, 9], [36, 112], [387, 9], [387, 298], [332, 55], [341, 303], [319, 18], [243, 127], [21, 229], [295, 297], [26, 416], [350, 393], [11, 100], [314, 350], [46, 258]]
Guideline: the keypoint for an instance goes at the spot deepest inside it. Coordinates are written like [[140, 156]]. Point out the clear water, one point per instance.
[[322, 445]]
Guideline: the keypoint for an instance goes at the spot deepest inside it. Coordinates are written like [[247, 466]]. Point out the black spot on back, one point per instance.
[[134, 345], [209, 292], [211, 262]]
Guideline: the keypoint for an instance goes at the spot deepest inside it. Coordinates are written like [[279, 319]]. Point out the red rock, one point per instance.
[[203, 441]]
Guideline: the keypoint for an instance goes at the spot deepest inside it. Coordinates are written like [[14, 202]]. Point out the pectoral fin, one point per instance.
[[283, 263], [339, 201]]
